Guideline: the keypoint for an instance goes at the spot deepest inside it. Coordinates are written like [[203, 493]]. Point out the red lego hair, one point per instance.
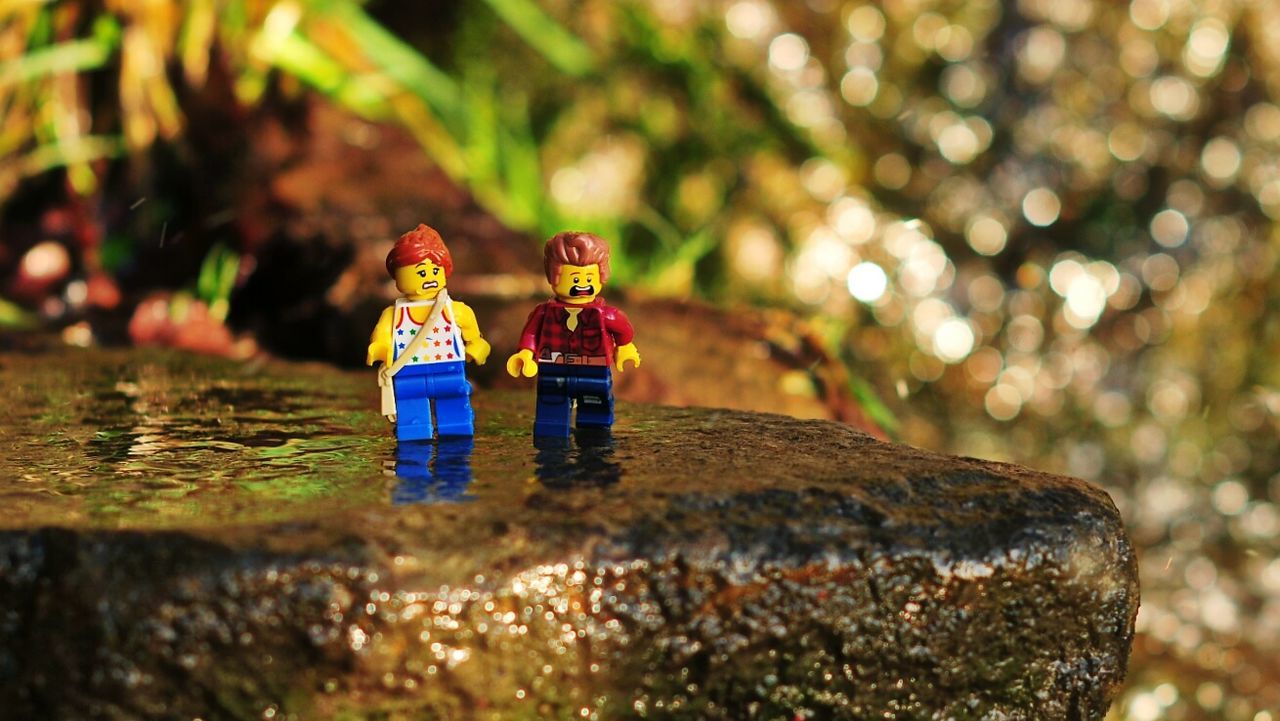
[[421, 243], [575, 248]]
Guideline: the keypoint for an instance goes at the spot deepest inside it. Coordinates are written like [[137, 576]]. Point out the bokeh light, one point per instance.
[[1066, 219], [1045, 230], [867, 282]]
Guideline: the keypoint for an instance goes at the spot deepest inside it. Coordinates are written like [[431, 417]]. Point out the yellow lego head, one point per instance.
[[421, 281], [420, 263], [577, 266], [578, 283]]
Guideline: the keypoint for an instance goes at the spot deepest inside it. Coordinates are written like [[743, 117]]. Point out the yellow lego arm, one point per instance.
[[380, 340], [477, 347], [521, 363], [626, 353]]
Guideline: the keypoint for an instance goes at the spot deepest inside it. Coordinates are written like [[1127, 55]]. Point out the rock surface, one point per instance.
[[188, 538]]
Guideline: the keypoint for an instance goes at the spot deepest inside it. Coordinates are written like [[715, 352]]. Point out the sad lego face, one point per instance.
[[578, 283], [422, 281]]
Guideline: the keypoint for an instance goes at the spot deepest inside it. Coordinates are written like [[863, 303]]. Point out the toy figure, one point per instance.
[[575, 338], [422, 341]]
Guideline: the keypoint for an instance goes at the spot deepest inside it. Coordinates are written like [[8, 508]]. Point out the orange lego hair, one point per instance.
[[421, 243], [575, 248]]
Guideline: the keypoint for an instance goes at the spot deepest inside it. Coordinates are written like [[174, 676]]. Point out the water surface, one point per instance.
[[155, 439]]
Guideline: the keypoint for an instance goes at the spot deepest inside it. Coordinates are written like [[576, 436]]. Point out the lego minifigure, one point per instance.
[[575, 338], [422, 341]]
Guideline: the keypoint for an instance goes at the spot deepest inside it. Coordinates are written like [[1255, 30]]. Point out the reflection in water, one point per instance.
[[433, 471], [164, 444], [586, 461]]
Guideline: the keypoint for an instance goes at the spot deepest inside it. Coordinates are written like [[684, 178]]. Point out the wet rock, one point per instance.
[[190, 538]]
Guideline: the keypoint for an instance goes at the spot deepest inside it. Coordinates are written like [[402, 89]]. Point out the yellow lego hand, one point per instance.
[[377, 352], [522, 363], [626, 353], [478, 350]]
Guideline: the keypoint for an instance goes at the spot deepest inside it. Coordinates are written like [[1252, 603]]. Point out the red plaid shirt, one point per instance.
[[600, 329]]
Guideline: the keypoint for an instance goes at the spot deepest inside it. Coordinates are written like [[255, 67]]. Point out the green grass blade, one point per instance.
[[871, 404], [297, 56], [522, 166], [401, 63], [14, 317], [66, 57], [71, 151], [482, 146], [561, 48], [217, 278]]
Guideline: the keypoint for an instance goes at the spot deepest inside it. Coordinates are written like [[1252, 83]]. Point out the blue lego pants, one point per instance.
[[559, 386], [416, 386], [433, 471]]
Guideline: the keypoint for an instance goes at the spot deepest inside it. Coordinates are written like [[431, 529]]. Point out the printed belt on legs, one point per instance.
[[572, 359]]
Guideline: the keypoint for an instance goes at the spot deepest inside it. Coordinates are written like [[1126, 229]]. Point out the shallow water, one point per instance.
[[152, 439]]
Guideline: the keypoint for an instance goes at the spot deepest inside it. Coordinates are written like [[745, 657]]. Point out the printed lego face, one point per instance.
[[422, 281], [578, 283]]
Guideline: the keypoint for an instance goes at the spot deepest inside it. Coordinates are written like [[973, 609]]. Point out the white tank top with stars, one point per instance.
[[443, 343]]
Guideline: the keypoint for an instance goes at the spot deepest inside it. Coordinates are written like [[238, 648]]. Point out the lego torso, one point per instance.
[[443, 341], [574, 335]]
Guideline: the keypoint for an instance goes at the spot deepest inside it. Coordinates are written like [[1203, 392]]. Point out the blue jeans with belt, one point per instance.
[[417, 386], [560, 386]]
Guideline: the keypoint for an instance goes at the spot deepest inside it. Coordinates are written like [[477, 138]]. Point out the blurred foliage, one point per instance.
[[630, 88], [1049, 225], [13, 316], [217, 279]]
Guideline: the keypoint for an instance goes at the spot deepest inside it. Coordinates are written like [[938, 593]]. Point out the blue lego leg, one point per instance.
[[593, 390], [413, 468], [454, 416], [452, 394], [413, 405], [431, 472], [554, 407], [452, 467]]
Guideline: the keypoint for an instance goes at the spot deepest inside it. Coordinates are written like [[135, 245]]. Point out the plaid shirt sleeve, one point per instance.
[[619, 328], [533, 328]]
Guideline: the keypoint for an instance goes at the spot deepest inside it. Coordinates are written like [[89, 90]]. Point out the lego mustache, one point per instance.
[[577, 290]]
